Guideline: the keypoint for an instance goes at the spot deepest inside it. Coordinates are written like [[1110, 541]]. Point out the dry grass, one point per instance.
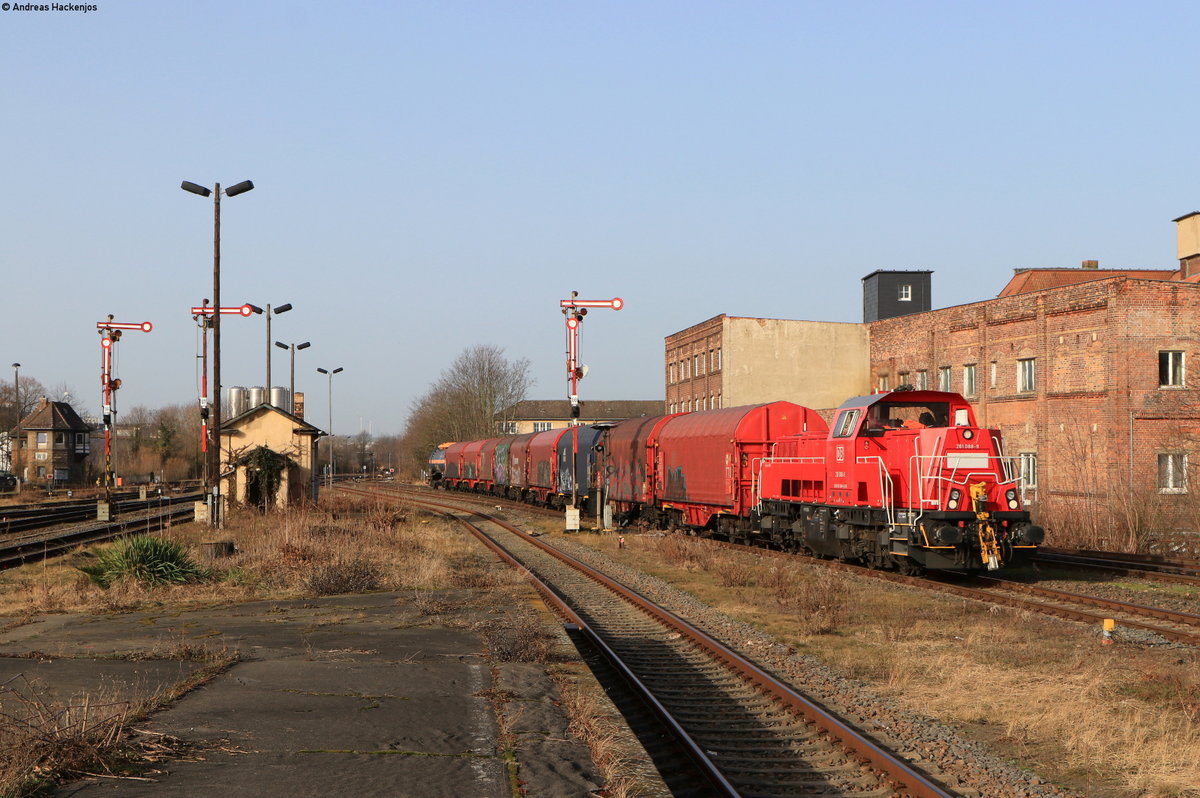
[[593, 722], [1045, 693], [343, 546], [44, 741]]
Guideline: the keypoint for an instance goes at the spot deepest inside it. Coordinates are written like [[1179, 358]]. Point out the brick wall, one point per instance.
[[1096, 348]]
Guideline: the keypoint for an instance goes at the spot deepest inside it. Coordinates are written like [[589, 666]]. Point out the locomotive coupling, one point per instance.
[[1029, 534], [939, 533]]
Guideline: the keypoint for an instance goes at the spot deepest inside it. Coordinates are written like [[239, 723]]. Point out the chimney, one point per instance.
[[1091, 264], [1187, 237]]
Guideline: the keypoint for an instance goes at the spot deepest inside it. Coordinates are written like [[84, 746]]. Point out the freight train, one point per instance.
[[902, 480]]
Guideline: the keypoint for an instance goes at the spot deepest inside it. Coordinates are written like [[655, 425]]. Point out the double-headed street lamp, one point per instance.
[[293, 348], [215, 192], [284, 308], [330, 430]]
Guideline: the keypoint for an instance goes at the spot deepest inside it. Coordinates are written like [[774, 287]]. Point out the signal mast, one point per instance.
[[575, 309]]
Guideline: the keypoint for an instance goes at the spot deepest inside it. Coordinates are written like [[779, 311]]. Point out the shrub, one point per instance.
[[353, 575], [147, 560]]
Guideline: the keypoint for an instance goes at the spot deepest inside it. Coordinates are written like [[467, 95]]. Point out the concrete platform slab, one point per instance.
[[348, 695]]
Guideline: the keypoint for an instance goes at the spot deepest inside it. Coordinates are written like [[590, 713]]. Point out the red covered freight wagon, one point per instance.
[[626, 465], [708, 463], [542, 472]]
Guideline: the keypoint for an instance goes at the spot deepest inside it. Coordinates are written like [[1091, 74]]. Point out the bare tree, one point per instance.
[[16, 406], [467, 401]]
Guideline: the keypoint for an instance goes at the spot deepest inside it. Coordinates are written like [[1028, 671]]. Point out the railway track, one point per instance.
[[745, 731], [1173, 625], [49, 541], [1144, 566]]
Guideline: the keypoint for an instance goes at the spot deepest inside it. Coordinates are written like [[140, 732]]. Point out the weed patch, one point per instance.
[[146, 560]]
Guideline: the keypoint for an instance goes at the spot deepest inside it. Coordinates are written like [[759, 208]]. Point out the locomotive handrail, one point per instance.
[[886, 486]]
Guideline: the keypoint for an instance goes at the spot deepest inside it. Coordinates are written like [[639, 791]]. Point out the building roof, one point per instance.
[[54, 416], [1025, 281], [597, 409], [898, 271], [303, 427]]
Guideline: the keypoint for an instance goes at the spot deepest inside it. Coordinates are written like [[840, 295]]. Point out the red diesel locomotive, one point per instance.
[[903, 480]]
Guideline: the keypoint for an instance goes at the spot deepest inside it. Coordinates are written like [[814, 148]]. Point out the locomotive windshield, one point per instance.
[[908, 415]]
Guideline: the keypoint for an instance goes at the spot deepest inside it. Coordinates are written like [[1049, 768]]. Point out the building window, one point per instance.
[[1029, 471], [542, 426], [1172, 472], [60, 438], [992, 377], [922, 380], [969, 379], [905, 293], [944, 378], [1170, 369], [699, 365], [718, 366], [42, 439], [508, 428], [671, 374], [41, 456], [1027, 375], [885, 382]]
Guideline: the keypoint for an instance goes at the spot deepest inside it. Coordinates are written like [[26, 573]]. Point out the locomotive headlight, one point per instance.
[[1011, 497], [968, 434], [955, 495]]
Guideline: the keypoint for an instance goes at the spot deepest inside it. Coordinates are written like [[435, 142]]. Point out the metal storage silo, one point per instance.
[[237, 401], [281, 399], [258, 395]]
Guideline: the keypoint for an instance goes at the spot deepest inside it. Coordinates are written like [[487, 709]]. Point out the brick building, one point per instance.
[[1088, 381], [1085, 371], [729, 361], [52, 443]]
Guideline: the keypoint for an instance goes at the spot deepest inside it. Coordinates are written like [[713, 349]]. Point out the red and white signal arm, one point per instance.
[[144, 326], [615, 304], [238, 310]]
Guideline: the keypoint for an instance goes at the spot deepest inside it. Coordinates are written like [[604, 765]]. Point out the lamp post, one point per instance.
[[330, 430], [293, 348], [284, 308], [14, 443], [215, 192]]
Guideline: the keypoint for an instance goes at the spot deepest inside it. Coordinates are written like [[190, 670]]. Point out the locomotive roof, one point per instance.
[[903, 396]]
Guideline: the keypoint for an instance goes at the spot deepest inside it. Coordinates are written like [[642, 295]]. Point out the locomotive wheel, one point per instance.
[[908, 567]]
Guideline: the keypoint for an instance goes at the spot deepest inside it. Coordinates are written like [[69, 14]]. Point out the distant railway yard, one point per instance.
[[736, 670]]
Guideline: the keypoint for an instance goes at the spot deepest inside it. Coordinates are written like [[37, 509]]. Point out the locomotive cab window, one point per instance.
[[846, 423], [908, 415]]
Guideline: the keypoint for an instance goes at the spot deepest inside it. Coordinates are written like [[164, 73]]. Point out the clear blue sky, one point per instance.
[[432, 176]]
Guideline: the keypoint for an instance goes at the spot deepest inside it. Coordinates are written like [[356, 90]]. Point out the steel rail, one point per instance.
[[16, 553], [910, 780]]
